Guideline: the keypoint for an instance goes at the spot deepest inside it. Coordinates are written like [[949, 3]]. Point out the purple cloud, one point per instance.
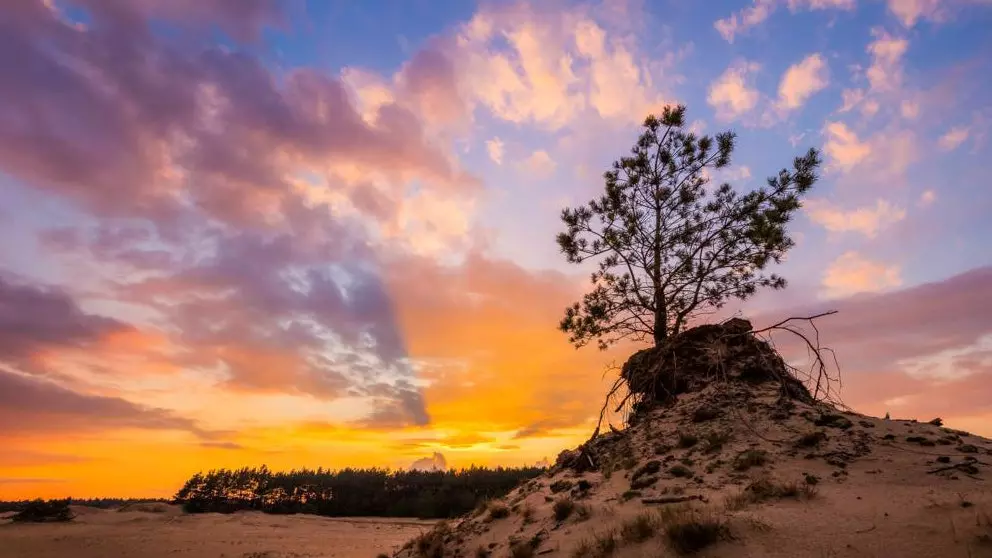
[[29, 405], [33, 318]]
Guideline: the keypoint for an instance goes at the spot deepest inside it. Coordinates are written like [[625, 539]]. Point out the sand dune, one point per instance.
[[165, 531], [779, 479]]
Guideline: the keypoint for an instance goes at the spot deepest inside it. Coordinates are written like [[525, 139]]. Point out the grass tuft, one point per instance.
[[498, 510], [563, 508], [687, 439], [694, 533], [640, 528], [750, 458]]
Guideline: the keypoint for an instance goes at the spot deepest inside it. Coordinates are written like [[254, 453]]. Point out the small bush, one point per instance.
[[431, 543], [705, 413], [563, 508], [687, 439], [641, 528], [811, 439], [527, 513], [39, 511], [583, 511], [605, 544], [715, 441], [521, 550], [680, 471], [561, 486], [750, 458], [630, 495], [481, 552], [649, 468], [643, 482], [764, 489], [498, 510], [692, 533]]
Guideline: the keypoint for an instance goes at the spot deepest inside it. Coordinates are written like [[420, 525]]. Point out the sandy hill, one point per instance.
[[728, 456]]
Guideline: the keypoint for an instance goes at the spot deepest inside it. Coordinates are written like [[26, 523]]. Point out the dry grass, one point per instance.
[[688, 531], [750, 458], [521, 550], [715, 441], [639, 528], [687, 439], [583, 512], [431, 543], [563, 508], [498, 510], [764, 489], [601, 545]]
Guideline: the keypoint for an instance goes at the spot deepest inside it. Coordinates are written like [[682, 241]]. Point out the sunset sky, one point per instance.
[[236, 232]]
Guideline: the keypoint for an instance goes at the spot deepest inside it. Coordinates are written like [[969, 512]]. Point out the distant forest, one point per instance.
[[102, 503], [349, 492]]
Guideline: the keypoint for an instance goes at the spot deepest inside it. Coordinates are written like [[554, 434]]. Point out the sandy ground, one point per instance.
[[879, 492], [168, 532]]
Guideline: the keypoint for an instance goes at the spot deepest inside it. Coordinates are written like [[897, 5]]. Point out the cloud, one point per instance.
[[539, 164], [31, 405], [435, 462], [865, 220], [902, 344], [909, 109], [927, 198], [852, 273], [221, 445], [747, 18], [34, 319], [908, 12], [528, 64], [953, 138], [198, 127], [494, 148], [885, 73], [27, 458], [457, 322], [843, 148], [760, 10], [732, 95], [802, 80]]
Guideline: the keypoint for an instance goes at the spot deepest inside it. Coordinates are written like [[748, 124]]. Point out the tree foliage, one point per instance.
[[349, 492], [669, 247], [40, 511]]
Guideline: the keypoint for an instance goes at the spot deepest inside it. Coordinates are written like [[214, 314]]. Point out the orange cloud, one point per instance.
[[732, 95], [802, 80], [852, 273], [865, 220]]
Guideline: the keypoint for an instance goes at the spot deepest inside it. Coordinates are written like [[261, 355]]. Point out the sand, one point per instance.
[[877, 491], [168, 532]]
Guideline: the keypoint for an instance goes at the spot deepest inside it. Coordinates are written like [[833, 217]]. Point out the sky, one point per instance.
[[236, 232]]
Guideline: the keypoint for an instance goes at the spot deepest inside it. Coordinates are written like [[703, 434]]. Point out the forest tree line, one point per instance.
[[101, 503], [349, 492]]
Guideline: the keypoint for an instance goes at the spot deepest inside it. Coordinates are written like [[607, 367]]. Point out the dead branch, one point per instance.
[[818, 374]]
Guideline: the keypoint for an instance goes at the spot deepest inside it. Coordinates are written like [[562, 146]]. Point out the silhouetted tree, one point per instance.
[[667, 246], [38, 511], [349, 492]]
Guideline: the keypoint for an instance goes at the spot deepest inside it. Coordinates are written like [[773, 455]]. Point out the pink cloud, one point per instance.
[[131, 124], [880, 338]]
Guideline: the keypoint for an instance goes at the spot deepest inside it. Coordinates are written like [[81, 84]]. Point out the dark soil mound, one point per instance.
[[702, 355]]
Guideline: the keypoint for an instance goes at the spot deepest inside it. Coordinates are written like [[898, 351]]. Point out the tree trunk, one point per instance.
[[660, 320]]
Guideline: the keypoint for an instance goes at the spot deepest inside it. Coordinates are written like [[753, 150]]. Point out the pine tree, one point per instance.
[[669, 248]]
